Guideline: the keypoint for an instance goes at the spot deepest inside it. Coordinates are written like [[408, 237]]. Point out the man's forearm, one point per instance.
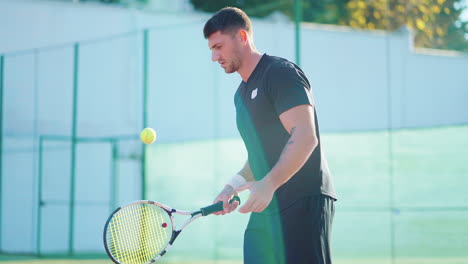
[[242, 177], [294, 155], [246, 172]]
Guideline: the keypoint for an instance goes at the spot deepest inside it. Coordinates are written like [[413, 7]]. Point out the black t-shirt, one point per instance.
[[275, 86]]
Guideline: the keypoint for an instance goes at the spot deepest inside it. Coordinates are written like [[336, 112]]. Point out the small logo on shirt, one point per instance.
[[254, 93]]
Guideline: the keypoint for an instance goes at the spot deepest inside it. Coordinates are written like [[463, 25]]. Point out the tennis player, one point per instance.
[[291, 192]]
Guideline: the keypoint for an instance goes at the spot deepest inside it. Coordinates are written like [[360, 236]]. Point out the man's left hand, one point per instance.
[[261, 194]]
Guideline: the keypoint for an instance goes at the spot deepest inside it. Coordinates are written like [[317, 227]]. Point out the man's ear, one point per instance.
[[243, 35]]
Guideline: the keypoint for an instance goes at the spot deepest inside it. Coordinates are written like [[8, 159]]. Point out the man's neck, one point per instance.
[[248, 64]]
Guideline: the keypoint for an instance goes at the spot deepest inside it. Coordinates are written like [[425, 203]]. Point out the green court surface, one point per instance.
[[403, 190], [336, 261], [401, 193]]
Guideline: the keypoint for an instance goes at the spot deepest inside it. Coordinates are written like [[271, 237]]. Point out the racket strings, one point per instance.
[[138, 233]]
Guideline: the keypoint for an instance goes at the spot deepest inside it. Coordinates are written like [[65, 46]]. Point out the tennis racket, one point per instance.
[[143, 231]]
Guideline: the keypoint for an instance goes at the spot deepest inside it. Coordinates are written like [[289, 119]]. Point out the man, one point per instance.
[[291, 193]]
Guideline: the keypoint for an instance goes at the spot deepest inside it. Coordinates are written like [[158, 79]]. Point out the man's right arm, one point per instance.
[[243, 176], [246, 172]]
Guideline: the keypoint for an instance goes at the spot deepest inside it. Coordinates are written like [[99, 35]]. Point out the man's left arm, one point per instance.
[[299, 121]]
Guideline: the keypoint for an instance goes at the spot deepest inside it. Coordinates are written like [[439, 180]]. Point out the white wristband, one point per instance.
[[236, 181]]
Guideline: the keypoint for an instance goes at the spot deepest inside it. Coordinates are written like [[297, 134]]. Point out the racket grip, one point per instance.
[[216, 207]]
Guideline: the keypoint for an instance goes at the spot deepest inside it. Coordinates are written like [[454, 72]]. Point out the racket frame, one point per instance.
[[170, 211]]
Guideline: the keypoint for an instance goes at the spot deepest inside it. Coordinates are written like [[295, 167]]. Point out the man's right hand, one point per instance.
[[225, 196]]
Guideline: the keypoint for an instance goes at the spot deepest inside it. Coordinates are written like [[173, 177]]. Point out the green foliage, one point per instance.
[[123, 1], [435, 22], [213, 6], [256, 8], [323, 11]]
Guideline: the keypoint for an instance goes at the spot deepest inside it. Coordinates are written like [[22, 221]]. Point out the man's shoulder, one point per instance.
[[277, 65], [275, 62]]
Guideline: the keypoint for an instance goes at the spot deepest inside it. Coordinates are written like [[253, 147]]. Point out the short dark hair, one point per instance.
[[227, 20]]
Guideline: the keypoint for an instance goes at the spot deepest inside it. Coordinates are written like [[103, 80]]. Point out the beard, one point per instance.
[[232, 67], [235, 62]]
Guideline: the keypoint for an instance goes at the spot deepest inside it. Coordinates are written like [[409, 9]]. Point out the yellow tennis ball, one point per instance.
[[148, 135]]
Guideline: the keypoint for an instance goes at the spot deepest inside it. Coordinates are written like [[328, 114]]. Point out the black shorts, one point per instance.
[[299, 234]]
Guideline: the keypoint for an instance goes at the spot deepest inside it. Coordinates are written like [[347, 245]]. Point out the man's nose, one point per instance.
[[214, 56]]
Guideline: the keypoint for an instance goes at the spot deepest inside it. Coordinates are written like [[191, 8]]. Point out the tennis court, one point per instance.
[[367, 225], [421, 226], [338, 261], [391, 107]]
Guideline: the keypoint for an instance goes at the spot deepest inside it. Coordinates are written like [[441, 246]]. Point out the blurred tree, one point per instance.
[[323, 11], [121, 1], [435, 22]]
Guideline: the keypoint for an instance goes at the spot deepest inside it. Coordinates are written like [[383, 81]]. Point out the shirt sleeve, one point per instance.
[[288, 87]]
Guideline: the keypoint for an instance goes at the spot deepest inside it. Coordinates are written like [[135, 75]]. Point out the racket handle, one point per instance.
[[216, 207]]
